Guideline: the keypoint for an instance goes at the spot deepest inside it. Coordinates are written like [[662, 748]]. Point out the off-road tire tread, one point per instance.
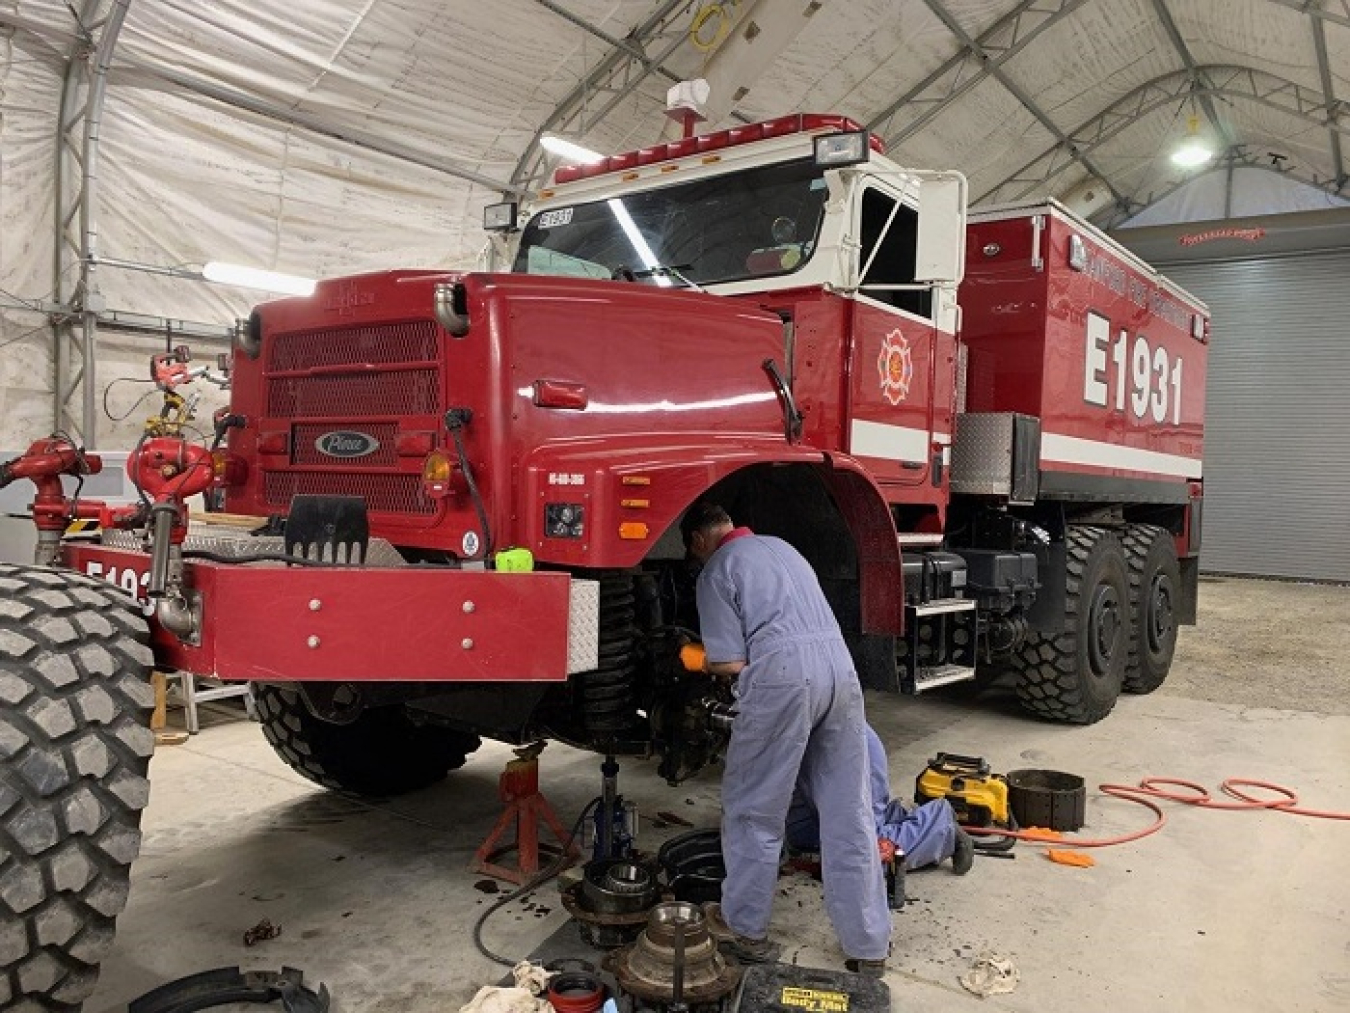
[[1138, 540], [1048, 680], [75, 745], [381, 753]]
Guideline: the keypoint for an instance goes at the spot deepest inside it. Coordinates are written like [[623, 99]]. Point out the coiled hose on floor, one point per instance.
[[1148, 790]]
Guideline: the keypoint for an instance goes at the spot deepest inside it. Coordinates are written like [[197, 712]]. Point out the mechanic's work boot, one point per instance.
[[867, 968], [964, 855], [743, 948]]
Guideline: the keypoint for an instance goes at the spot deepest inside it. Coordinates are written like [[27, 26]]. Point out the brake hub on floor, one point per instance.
[[611, 900], [675, 960]]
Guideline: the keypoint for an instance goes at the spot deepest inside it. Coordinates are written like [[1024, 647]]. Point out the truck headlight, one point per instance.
[[564, 520]]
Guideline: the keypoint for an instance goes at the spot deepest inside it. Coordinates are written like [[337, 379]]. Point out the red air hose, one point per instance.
[[1196, 794]]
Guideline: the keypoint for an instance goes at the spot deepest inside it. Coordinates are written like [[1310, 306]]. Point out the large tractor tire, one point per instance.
[[380, 753], [75, 748], [1075, 675], [1155, 583]]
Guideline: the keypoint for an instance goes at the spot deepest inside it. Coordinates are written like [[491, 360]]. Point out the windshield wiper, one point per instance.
[[670, 271]]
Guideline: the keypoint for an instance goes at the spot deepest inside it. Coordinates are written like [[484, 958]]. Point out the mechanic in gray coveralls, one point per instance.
[[766, 623]]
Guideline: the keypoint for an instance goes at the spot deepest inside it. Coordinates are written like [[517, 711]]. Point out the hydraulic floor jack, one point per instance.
[[612, 830]]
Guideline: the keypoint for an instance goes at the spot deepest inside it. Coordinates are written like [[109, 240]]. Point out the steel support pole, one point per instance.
[[66, 243], [91, 300], [1333, 113], [76, 252]]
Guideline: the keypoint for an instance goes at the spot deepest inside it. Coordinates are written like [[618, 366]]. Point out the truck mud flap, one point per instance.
[[1047, 611]]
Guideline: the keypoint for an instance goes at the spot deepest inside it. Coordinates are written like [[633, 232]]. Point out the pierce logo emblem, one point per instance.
[[346, 298], [896, 366], [345, 443]]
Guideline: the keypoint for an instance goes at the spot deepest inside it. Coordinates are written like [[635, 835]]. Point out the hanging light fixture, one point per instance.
[[252, 277], [568, 149], [1194, 151]]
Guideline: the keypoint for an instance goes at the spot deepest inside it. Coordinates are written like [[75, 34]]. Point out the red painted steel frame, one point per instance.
[[370, 624]]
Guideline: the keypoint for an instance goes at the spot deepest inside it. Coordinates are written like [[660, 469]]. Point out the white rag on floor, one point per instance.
[[531, 976], [526, 996], [991, 974]]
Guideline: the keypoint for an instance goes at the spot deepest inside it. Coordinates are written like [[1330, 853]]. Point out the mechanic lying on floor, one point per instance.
[[923, 835]]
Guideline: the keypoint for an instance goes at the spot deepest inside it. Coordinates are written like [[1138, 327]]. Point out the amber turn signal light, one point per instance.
[[437, 470]]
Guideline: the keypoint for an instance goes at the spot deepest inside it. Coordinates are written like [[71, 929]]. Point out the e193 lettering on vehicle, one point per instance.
[[129, 579]]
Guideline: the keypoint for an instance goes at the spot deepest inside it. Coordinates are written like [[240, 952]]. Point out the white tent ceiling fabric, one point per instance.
[[266, 178]]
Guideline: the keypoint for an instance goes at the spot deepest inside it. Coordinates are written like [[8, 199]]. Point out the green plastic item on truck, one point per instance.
[[514, 560]]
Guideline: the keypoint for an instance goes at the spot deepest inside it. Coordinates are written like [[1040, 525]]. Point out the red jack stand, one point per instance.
[[525, 807]]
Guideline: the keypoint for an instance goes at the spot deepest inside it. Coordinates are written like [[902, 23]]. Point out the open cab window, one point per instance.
[[889, 235]]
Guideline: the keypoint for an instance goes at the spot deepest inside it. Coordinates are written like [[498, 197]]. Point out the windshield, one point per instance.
[[750, 224]]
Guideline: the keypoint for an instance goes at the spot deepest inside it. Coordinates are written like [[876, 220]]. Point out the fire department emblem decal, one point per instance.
[[896, 366]]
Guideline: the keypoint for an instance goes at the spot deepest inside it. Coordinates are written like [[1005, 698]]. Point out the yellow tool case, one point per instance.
[[979, 797]]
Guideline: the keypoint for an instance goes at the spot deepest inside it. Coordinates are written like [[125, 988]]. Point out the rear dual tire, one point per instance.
[[1075, 674], [1119, 630], [1155, 584]]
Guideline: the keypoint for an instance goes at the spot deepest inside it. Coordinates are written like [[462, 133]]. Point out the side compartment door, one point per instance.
[[892, 385]]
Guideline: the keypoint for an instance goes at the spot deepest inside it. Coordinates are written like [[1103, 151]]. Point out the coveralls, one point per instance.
[[924, 835], [800, 716]]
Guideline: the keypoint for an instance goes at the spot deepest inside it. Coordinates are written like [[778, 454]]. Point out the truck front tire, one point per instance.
[[75, 748], [382, 752], [1155, 584], [1075, 674]]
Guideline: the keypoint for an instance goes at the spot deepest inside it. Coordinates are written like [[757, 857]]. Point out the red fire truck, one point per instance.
[[463, 489]]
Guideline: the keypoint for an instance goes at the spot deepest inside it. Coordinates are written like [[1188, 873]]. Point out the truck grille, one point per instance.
[[380, 344], [344, 375], [354, 395], [394, 494], [308, 372]]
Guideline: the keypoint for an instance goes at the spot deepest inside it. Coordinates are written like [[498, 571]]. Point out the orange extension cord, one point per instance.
[[1146, 790]]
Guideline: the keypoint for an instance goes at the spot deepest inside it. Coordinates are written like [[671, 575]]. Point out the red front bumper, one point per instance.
[[284, 624]]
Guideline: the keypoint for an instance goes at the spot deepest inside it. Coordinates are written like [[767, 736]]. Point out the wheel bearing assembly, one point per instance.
[[611, 900], [675, 960]]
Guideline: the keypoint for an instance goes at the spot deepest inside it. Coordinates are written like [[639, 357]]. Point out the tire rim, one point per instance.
[[1105, 626], [1159, 623]]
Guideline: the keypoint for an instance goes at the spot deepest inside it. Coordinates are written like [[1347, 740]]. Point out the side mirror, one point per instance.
[[942, 228]]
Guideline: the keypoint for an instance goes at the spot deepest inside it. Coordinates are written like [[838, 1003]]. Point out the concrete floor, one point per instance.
[[1220, 911]]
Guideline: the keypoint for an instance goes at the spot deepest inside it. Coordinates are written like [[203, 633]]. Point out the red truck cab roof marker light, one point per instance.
[[780, 127]]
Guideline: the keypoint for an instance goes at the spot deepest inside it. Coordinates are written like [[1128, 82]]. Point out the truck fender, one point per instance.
[[653, 485], [864, 509]]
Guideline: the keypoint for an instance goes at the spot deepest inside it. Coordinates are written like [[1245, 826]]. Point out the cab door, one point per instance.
[[893, 374]]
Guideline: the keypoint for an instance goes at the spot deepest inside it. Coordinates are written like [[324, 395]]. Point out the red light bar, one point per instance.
[[796, 124]]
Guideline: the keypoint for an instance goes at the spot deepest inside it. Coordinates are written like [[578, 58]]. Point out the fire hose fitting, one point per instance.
[[163, 516]]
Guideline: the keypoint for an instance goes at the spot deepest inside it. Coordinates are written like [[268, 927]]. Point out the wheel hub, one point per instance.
[[1159, 622], [1105, 624]]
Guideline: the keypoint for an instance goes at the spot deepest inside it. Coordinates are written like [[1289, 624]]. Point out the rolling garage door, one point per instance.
[[1277, 435]]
